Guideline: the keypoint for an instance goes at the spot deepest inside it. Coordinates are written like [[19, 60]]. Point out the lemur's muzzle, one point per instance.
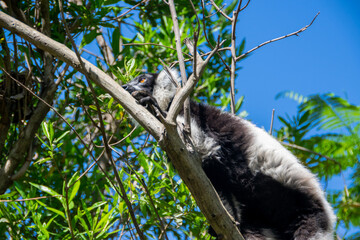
[[128, 88]]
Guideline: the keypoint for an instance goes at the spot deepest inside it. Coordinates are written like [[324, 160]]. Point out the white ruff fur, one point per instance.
[[164, 89], [203, 144], [323, 236]]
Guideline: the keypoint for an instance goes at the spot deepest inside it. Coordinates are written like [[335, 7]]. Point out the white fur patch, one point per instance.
[[164, 89], [269, 157], [204, 144], [323, 236], [268, 234]]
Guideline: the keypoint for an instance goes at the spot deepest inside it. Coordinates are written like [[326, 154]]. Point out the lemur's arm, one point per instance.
[[148, 101]]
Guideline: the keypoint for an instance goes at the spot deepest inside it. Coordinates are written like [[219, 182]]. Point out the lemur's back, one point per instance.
[[260, 203], [264, 187]]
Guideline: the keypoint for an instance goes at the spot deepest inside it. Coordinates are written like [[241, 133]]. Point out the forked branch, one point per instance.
[[279, 38]]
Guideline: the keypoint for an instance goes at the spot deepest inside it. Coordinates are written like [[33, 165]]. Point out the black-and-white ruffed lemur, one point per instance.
[[263, 186]]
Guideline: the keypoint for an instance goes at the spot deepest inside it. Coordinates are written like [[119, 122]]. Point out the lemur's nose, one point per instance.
[[125, 87]]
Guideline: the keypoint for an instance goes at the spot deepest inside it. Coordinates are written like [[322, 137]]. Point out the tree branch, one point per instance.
[[181, 63], [185, 91], [277, 39]]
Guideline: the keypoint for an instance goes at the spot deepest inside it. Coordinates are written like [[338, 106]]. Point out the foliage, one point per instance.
[[329, 127], [63, 193]]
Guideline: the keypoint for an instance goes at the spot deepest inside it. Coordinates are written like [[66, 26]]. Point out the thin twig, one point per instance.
[[272, 121], [154, 44], [87, 112], [310, 151], [132, 8], [233, 56], [208, 40], [93, 54], [168, 71], [220, 11], [162, 227], [209, 16], [277, 39], [30, 199], [196, 37], [245, 6], [67, 210], [184, 92], [181, 63], [128, 135]]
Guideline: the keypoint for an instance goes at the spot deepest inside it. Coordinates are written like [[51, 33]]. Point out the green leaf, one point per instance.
[[61, 136], [45, 130], [105, 219], [40, 161], [74, 189], [88, 38], [58, 212], [241, 48], [96, 205], [45, 189], [51, 131], [115, 43]]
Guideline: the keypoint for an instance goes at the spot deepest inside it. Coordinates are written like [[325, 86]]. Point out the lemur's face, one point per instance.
[[143, 82]]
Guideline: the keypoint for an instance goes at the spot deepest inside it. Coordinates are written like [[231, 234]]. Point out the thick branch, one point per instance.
[[105, 48], [22, 145]]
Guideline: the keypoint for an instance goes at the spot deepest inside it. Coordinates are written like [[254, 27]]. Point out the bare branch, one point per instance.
[[220, 11], [208, 41], [195, 54], [272, 121], [172, 78], [132, 8], [24, 167], [245, 6], [30, 199], [155, 44], [279, 38], [196, 37], [181, 62], [233, 56], [105, 48], [309, 151], [185, 91]]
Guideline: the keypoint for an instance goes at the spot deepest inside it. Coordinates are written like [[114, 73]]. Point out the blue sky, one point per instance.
[[324, 58]]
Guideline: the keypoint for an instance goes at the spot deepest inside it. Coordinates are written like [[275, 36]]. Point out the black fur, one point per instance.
[[258, 202], [265, 203]]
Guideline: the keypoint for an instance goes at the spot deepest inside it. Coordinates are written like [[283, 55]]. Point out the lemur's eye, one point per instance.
[[143, 80]]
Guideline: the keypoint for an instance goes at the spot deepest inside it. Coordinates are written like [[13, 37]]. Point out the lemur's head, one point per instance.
[[159, 86], [143, 82]]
